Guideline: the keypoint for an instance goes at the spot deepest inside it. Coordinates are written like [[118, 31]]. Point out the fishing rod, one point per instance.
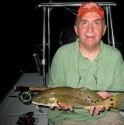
[[31, 88], [38, 89]]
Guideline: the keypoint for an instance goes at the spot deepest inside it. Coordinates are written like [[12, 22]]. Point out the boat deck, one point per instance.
[[12, 108]]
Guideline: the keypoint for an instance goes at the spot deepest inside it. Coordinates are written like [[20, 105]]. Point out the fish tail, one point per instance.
[[116, 101]]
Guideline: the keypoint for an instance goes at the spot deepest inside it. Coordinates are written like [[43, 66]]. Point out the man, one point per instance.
[[88, 62]]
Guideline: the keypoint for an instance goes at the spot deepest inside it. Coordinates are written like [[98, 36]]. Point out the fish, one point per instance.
[[76, 97]]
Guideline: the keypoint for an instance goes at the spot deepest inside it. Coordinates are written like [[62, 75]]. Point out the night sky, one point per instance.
[[21, 28]]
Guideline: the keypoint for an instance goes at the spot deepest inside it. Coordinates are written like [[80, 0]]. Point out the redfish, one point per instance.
[[77, 98]]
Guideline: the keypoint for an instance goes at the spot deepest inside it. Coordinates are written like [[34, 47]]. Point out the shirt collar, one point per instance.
[[76, 47]]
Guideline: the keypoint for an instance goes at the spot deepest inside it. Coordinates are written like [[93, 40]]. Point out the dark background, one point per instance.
[[21, 33]]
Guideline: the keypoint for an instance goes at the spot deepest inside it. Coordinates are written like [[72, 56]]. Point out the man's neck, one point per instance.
[[90, 53]]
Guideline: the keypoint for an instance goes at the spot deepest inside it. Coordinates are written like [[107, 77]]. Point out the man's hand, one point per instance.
[[62, 107], [99, 109]]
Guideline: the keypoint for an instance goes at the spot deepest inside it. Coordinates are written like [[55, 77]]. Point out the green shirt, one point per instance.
[[70, 68]]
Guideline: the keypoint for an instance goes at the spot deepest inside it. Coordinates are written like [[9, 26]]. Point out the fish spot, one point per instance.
[[111, 104], [94, 101], [77, 98], [97, 100], [111, 99], [88, 99]]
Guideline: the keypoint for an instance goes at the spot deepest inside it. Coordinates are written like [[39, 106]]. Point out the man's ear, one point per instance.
[[104, 30], [75, 29]]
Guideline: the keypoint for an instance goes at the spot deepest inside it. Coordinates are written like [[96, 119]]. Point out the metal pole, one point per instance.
[[44, 46], [48, 40], [107, 23]]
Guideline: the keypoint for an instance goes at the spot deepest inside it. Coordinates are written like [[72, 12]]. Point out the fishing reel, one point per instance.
[[26, 97], [26, 93]]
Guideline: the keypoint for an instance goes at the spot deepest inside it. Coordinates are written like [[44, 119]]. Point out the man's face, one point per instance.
[[90, 29]]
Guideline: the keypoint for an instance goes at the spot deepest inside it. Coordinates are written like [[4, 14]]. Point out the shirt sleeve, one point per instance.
[[119, 75], [56, 70]]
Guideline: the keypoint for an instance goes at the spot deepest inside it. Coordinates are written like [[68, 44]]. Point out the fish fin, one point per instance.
[[57, 102], [87, 108], [116, 101]]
